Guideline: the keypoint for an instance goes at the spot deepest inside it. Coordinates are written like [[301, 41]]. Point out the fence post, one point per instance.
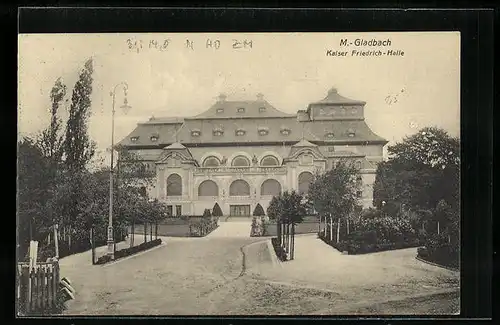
[[331, 228], [49, 286]]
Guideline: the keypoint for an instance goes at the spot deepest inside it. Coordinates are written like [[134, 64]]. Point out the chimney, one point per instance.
[[222, 98]]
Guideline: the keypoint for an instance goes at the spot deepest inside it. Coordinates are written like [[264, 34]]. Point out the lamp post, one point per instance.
[[125, 107]]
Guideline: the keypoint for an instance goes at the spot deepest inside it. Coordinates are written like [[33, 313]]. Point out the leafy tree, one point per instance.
[[258, 211], [51, 140], [78, 148], [273, 210], [288, 210], [33, 181], [423, 169], [334, 193]]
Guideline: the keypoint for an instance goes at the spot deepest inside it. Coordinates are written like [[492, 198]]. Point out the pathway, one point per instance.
[[208, 276], [231, 229]]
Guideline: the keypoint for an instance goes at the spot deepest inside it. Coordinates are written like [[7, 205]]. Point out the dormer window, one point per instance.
[[241, 110], [342, 110], [154, 138], [240, 132], [263, 131], [285, 130], [218, 132], [195, 133], [134, 139], [262, 109], [331, 149], [219, 110], [351, 133], [354, 111], [329, 135]]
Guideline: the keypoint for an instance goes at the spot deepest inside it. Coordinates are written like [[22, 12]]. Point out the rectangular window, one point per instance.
[[170, 210], [178, 210]]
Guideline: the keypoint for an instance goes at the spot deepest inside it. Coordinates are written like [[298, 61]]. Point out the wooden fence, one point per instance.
[[37, 291]]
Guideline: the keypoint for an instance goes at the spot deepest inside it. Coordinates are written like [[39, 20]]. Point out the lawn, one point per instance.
[[170, 227]]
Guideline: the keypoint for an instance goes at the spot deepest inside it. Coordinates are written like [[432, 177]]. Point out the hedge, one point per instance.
[[129, 251], [439, 251], [354, 247], [278, 249]]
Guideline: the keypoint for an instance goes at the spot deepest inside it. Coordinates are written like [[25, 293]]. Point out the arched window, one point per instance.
[[305, 179], [208, 188], [270, 187], [269, 161], [211, 162], [239, 188], [174, 185], [240, 161]]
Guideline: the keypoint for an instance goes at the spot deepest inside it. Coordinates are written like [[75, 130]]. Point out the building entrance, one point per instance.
[[239, 210]]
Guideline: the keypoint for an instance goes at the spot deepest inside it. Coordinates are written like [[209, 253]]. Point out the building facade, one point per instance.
[[240, 153]]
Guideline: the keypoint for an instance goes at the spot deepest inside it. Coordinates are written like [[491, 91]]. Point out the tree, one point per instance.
[[334, 193], [292, 213], [422, 170], [258, 211], [50, 141], [288, 210], [33, 180], [78, 148], [273, 212]]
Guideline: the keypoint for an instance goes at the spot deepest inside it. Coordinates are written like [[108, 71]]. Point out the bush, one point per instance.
[[258, 227], [203, 226], [129, 251], [438, 250], [372, 234]]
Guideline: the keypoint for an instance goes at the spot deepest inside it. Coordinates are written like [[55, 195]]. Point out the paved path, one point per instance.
[[231, 229], [209, 276]]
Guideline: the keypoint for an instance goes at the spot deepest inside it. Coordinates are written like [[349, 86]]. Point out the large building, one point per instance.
[[240, 153]]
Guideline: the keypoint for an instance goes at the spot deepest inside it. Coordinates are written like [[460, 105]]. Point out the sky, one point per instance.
[[169, 77]]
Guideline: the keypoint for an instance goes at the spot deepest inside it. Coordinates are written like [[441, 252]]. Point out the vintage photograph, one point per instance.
[[269, 174]]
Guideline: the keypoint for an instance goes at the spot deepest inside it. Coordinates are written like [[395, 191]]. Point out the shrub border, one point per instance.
[[129, 251], [278, 250], [449, 268], [343, 244]]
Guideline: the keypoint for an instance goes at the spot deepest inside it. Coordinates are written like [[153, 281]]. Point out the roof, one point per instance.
[[318, 130], [259, 108], [304, 143], [175, 145], [333, 97], [257, 121]]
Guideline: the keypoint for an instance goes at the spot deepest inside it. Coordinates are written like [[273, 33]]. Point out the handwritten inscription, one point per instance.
[[138, 45], [394, 98]]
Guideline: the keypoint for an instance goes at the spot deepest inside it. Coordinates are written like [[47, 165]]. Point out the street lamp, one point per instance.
[[126, 108]]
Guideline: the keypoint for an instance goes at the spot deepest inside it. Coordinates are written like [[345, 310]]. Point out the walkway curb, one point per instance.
[[134, 255], [437, 265]]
